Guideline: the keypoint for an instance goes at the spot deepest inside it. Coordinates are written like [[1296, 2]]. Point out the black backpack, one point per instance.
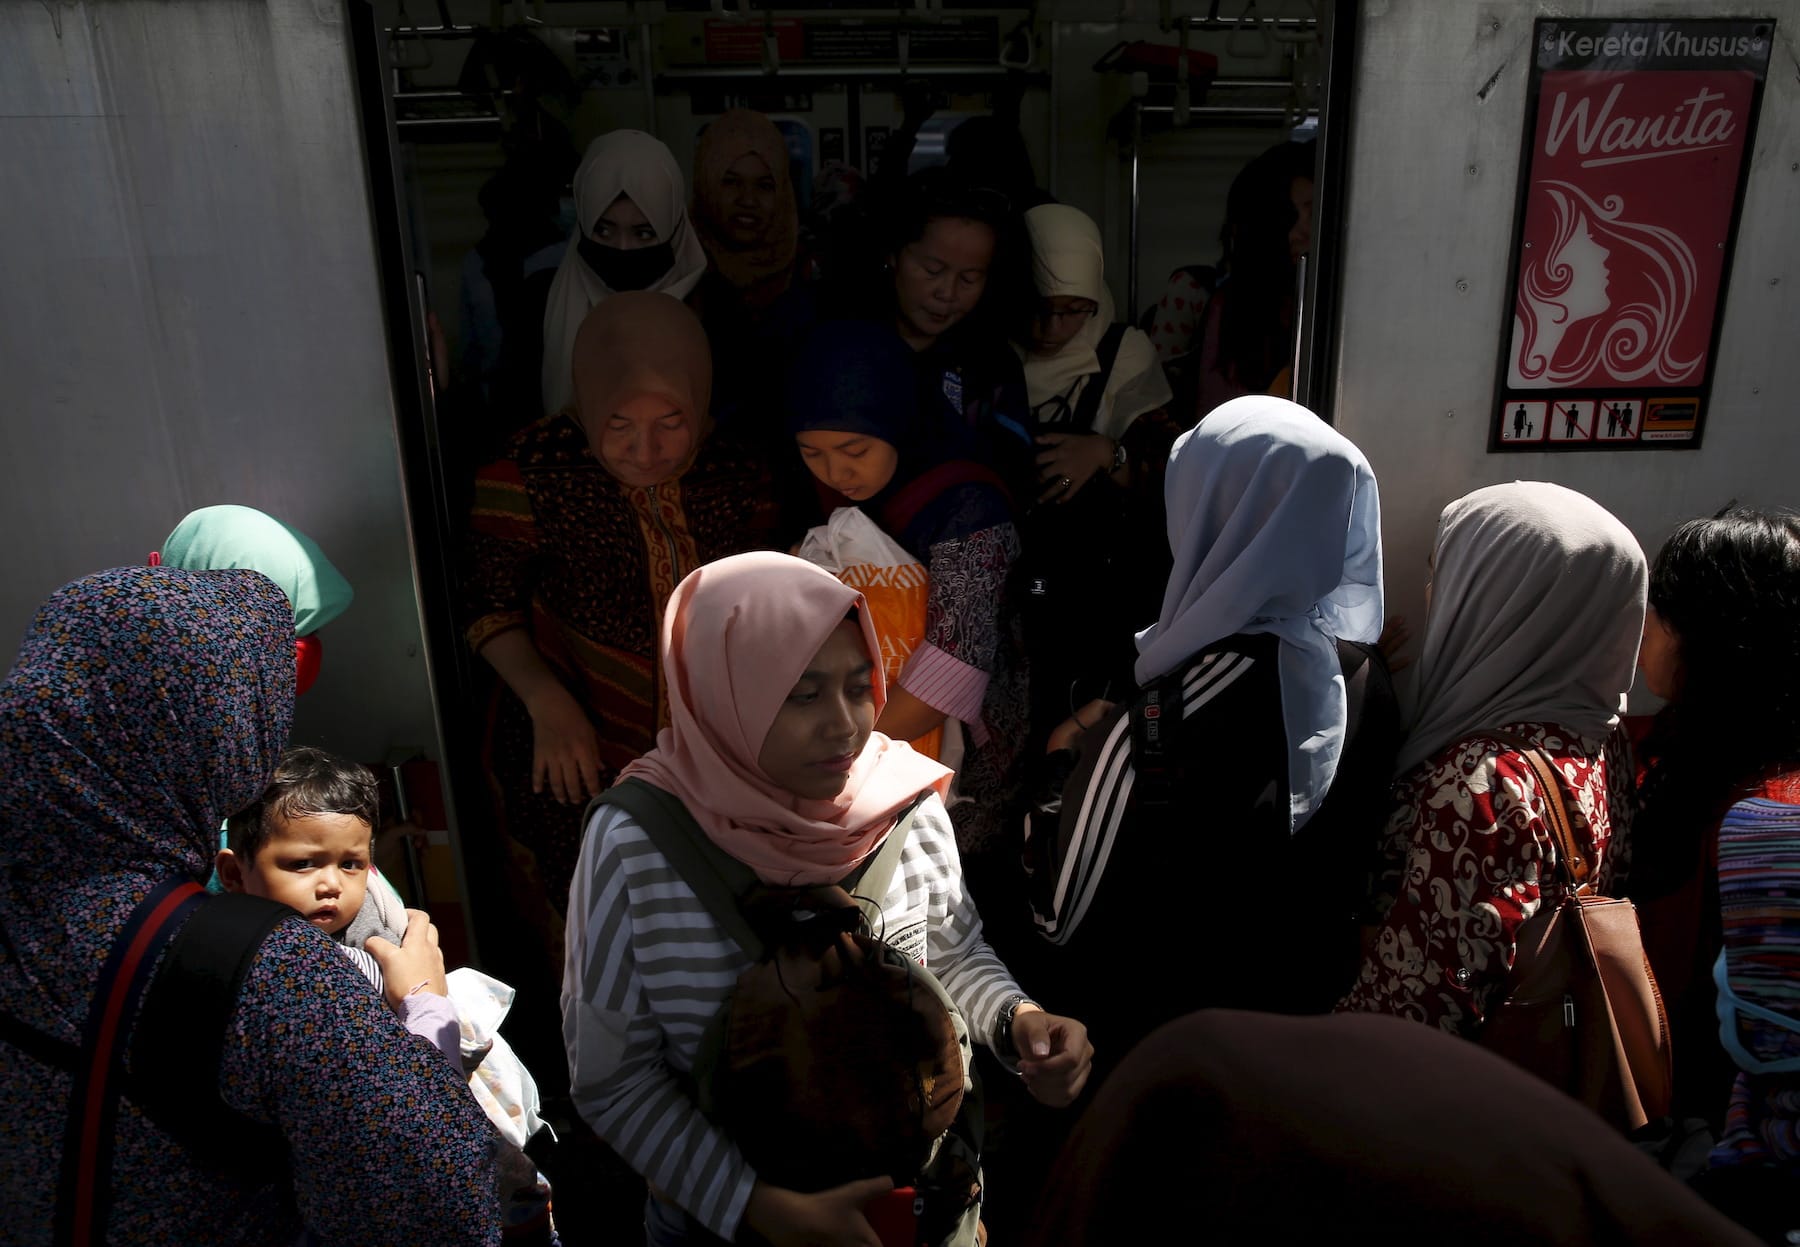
[[182, 1006]]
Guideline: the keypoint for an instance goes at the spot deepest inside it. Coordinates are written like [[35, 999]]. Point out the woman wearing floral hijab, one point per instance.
[[146, 705]]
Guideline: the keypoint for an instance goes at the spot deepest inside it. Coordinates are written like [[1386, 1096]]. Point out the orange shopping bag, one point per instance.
[[854, 549]]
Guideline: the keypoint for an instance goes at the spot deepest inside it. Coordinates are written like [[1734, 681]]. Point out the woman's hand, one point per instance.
[[1068, 733], [1054, 1055], [565, 752], [1070, 460], [831, 1218], [417, 964]]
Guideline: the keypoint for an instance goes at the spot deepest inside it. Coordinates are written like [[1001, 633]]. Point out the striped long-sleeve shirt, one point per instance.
[[647, 968]]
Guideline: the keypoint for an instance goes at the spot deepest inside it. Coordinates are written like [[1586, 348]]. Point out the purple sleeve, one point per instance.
[[433, 1018]]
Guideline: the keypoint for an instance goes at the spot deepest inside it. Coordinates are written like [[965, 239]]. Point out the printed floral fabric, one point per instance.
[[1469, 858], [970, 617], [559, 546], [147, 703]]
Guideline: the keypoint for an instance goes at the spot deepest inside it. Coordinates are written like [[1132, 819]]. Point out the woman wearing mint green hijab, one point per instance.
[[216, 538], [223, 537]]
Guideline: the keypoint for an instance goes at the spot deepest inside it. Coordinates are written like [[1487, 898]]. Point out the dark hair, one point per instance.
[[932, 194], [307, 782], [991, 151], [1729, 588], [1254, 341]]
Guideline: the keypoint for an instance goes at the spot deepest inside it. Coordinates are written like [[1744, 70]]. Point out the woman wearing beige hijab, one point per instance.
[[1531, 634], [631, 233], [578, 537]]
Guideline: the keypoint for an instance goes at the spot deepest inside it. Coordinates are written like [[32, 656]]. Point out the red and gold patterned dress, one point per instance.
[[1468, 858], [559, 546]]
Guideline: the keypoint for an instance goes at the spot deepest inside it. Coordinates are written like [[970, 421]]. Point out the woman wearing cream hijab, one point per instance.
[[631, 233], [1094, 541], [1063, 360]]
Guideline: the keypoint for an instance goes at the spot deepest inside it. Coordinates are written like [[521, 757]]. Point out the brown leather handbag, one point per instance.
[[1582, 1009]]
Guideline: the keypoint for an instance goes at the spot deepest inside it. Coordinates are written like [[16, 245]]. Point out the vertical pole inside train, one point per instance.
[[1131, 242]]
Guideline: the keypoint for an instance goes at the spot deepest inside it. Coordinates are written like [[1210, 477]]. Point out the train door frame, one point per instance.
[[1319, 278], [429, 522]]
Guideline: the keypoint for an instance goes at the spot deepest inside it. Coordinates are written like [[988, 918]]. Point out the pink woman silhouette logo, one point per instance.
[[1604, 301]]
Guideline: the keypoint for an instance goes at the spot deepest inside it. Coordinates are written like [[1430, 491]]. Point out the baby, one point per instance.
[[306, 842]]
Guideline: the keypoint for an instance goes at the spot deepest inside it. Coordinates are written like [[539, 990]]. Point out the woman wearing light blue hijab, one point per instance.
[[1230, 808]]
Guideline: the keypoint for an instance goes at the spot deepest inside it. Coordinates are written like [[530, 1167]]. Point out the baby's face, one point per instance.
[[317, 865]]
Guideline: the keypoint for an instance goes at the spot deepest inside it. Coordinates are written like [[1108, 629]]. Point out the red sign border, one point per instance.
[[1503, 395]]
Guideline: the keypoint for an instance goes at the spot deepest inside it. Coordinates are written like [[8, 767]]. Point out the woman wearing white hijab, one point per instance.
[[631, 233], [1535, 614], [1094, 555], [1073, 329], [1253, 758]]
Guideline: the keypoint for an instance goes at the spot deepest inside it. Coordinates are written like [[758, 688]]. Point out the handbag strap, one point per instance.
[[1573, 862]]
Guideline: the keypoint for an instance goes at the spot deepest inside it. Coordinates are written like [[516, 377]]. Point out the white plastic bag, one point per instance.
[[852, 547], [501, 1084]]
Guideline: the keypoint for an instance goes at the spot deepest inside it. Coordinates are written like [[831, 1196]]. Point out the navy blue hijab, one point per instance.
[[859, 377]]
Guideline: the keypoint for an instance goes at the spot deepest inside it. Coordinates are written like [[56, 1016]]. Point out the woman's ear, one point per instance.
[[231, 870]]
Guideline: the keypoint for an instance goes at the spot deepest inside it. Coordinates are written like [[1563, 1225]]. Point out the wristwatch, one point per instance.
[[1008, 1011], [1118, 456]]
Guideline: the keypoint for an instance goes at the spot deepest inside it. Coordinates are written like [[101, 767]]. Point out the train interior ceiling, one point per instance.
[[1090, 81]]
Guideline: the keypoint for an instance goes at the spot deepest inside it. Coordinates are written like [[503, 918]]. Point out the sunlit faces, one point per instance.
[[856, 465], [623, 225], [1659, 658], [1300, 233], [939, 279], [645, 442], [317, 865], [826, 720], [749, 200], [1059, 318]]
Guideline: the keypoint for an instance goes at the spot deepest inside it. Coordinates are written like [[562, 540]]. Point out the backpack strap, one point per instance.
[[84, 1187], [870, 880], [1572, 863], [903, 508], [1151, 757], [176, 1010], [719, 880], [1088, 405], [179, 1041]]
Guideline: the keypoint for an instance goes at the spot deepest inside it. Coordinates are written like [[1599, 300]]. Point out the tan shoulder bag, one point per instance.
[[1582, 1009]]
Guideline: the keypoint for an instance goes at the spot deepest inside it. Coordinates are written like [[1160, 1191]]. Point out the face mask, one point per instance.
[[1729, 1007], [627, 270]]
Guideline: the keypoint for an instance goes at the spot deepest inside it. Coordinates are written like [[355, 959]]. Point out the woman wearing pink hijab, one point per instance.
[[773, 752]]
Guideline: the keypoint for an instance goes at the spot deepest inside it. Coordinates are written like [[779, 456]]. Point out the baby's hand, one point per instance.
[[417, 964]]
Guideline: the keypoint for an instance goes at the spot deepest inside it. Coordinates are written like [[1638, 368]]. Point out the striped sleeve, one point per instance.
[[645, 970], [945, 683], [956, 949], [1098, 795]]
